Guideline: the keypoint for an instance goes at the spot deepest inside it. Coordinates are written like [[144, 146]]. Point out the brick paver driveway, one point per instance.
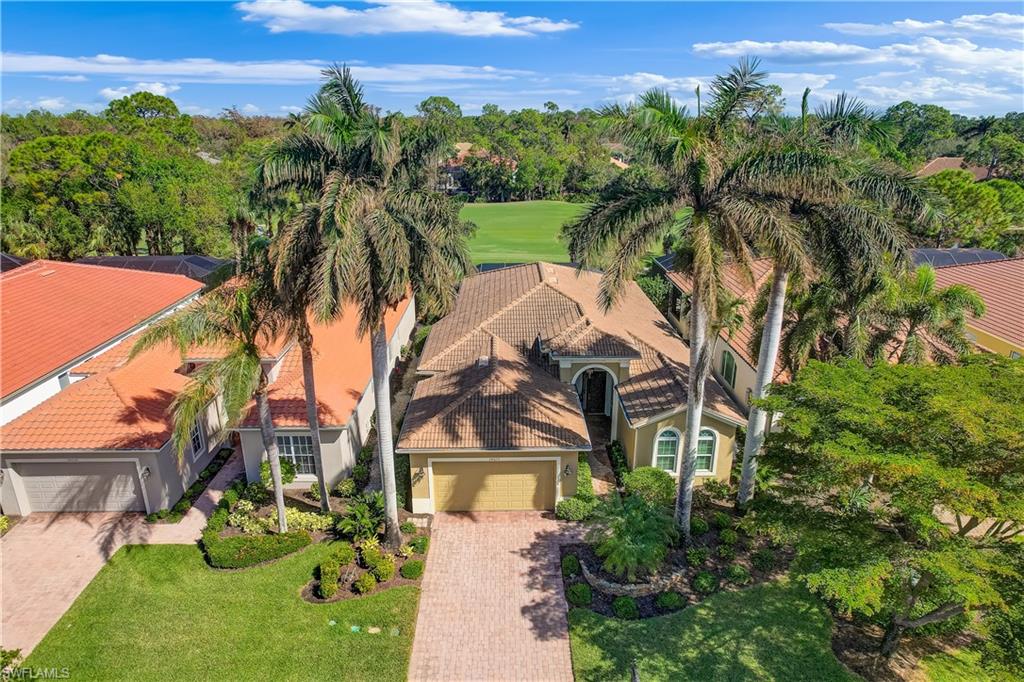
[[492, 605], [48, 559]]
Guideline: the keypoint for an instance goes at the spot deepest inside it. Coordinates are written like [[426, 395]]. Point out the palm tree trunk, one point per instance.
[[699, 367], [385, 446], [306, 347], [757, 421], [273, 456]]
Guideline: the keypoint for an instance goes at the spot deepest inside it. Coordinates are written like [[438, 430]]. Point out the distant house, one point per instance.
[[1001, 285], [938, 258], [206, 269], [943, 163], [9, 262], [57, 316], [453, 178]]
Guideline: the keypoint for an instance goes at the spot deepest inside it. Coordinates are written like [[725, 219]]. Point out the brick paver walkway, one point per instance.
[[48, 559], [492, 606]]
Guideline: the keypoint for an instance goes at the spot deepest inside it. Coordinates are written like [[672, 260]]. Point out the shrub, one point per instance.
[[670, 601], [243, 517], [763, 560], [255, 493], [242, 551], [287, 473], [346, 488], [314, 492], [705, 582], [617, 455], [727, 552], [737, 574], [372, 555], [652, 484], [625, 608], [344, 553], [579, 594], [5, 523], [360, 476], [365, 583], [419, 544], [405, 551], [308, 521], [716, 490], [407, 527], [182, 506], [631, 535], [570, 565], [231, 496], [696, 556], [574, 509], [722, 520], [150, 518], [698, 526], [365, 455], [584, 479], [729, 536], [330, 571], [364, 517], [412, 570], [385, 568]]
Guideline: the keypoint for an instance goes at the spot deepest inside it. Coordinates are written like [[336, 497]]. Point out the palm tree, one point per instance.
[[924, 322], [373, 230], [239, 317], [847, 236], [704, 184]]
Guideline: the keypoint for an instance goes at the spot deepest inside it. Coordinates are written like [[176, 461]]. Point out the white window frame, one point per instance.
[[725, 375], [197, 433], [705, 431], [679, 443], [285, 443]]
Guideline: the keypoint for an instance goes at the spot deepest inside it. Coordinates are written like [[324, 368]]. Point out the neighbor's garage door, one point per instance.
[[81, 486], [493, 486]]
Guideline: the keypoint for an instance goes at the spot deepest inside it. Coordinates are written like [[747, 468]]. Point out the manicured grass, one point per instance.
[[519, 232], [158, 612], [771, 631], [956, 666]]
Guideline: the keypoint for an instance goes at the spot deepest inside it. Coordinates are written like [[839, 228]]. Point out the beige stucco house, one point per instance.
[[523, 368]]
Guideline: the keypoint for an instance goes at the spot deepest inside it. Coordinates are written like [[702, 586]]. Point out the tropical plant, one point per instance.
[[238, 318], [370, 231], [631, 535], [364, 516]]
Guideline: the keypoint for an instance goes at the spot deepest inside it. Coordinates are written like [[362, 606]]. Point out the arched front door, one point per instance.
[[594, 386]]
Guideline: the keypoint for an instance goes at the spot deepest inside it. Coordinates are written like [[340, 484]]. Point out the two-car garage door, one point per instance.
[[80, 486], [493, 485]]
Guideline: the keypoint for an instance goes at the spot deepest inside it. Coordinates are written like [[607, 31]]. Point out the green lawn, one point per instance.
[[519, 232], [775, 631], [157, 612], [956, 666]]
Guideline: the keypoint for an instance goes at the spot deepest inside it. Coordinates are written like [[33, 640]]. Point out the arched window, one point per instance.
[[729, 368], [706, 442], [666, 450]]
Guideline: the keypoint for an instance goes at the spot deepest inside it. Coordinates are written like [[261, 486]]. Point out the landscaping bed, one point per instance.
[[178, 511]]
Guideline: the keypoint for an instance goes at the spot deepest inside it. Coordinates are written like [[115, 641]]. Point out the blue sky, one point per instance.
[[264, 56]]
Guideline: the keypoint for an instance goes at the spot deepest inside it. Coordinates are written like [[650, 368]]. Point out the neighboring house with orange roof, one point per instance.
[[1001, 285], [527, 371], [58, 315], [944, 163]]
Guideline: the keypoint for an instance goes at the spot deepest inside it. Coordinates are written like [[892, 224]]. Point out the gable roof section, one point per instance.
[[1001, 285], [54, 313], [944, 163]]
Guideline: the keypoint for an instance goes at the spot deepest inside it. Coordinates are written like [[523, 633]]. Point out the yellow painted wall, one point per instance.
[[994, 343], [567, 373], [642, 453]]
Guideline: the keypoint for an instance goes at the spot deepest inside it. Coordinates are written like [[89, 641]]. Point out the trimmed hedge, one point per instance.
[[365, 583], [330, 571], [574, 509], [625, 608], [584, 478], [242, 551], [653, 484], [698, 526], [670, 601], [579, 594], [570, 565], [617, 455], [412, 570], [420, 544]]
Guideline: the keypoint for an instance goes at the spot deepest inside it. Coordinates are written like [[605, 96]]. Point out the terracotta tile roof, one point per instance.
[[499, 402], [56, 312], [943, 163], [583, 339], [1001, 284]]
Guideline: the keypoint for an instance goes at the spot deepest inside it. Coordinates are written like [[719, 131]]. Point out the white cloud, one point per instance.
[[970, 96], [203, 70], [394, 16], [250, 109], [66, 79], [794, 83], [998, 25], [157, 88], [291, 109], [788, 50], [55, 104]]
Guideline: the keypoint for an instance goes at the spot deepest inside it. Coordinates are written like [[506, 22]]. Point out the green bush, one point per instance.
[[330, 571], [722, 520], [365, 455], [727, 552], [737, 574], [617, 455], [314, 492], [255, 493], [670, 601], [653, 484], [344, 553], [230, 497], [728, 536], [5, 524], [408, 527], [698, 526], [385, 568], [696, 556], [412, 570], [705, 582], [716, 490], [365, 583], [763, 560], [182, 506], [364, 516], [372, 555], [631, 535], [346, 488], [579, 594], [241, 551], [287, 472], [570, 565], [584, 479], [308, 521], [420, 543], [573, 509], [360, 476], [625, 608]]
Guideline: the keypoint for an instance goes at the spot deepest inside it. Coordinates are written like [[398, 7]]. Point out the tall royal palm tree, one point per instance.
[[849, 236], [372, 230], [239, 317], [703, 183]]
